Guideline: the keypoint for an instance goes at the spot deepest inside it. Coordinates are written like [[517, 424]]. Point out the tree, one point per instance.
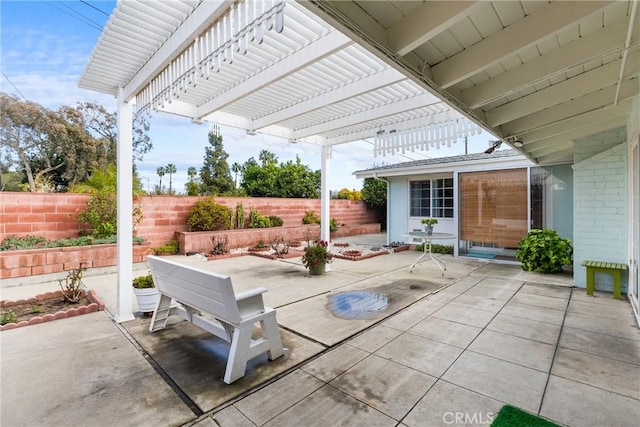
[[214, 174], [236, 168], [290, 179], [374, 193], [160, 172], [192, 187], [347, 194], [170, 169], [25, 129], [57, 149], [192, 172], [104, 125]]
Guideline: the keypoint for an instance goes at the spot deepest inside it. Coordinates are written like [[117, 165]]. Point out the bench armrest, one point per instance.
[[250, 302], [250, 293]]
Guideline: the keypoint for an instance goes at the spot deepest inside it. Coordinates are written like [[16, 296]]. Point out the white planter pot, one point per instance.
[[147, 299]]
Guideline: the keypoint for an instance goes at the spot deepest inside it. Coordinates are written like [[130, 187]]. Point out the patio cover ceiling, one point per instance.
[[268, 67], [544, 73]]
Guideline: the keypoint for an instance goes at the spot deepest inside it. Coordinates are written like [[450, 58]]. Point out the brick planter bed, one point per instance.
[[293, 253], [355, 257], [32, 262], [95, 305]]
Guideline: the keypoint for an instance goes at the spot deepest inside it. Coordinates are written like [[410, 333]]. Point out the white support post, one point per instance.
[[125, 209], [325, 196]]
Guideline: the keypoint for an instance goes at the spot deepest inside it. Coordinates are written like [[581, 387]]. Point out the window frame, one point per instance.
[[437, 206]]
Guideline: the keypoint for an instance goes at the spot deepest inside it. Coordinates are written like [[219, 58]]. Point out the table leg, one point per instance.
[[424, 253], [439, 263]]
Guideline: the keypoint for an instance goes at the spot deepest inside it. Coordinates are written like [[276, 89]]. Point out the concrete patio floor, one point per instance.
[[446, 350]]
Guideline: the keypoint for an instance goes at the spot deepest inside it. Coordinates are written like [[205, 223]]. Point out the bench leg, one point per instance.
[[617, 284], [591, 280], [271, 333], [161, 314], [238, 354]]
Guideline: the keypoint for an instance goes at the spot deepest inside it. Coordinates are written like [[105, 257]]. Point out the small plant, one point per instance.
[[219, 245], [316, 253], [7, 316], [310, 218], [240, 216], [171, 248], [280, 248], [276, 221], [143, 282], [261, 244], [544, 251], [333, 225], [258, 221], [429, 221], [207, 215], [35, 310], [72, 284]]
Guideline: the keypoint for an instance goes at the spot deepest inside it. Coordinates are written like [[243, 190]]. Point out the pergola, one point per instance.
[[410, 74]]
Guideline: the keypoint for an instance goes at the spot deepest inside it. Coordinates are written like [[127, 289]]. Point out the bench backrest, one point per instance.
[[207, 291]]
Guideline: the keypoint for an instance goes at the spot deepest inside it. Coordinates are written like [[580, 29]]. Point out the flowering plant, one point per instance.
[[316, 253]]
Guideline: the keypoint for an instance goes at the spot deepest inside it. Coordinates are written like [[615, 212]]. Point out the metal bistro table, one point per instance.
[[421, 236]]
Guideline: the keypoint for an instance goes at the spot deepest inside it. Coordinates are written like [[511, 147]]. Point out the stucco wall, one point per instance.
[[600, 210]]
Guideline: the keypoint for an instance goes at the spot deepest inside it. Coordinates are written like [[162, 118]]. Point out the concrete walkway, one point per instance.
[[448, 350]]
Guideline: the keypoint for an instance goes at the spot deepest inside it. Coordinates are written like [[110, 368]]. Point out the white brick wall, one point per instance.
[[600, 210]]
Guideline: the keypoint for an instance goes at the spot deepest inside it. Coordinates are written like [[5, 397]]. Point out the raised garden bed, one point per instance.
[[34, 262], [52, 307], [356, 255]]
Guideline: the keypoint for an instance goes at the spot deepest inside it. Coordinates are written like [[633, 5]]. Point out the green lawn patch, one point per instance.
[[510, 416]]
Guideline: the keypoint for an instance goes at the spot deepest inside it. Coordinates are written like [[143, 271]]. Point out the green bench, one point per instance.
[[612, 268]]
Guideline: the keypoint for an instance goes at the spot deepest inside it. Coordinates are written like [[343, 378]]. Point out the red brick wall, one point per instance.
[[51, 215]]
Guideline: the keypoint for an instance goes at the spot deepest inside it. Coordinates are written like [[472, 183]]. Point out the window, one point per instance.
[[432, 198]]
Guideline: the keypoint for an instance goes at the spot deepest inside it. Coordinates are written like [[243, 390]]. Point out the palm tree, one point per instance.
[[160, 172], [192, 172], [236, 168], [170, 169]]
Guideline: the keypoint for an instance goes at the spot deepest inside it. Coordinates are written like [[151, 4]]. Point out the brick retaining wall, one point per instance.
[[51, 215]]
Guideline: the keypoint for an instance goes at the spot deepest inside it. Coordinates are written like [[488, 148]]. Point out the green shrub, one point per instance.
[[333, 225], [276, 221], [310, 217], [437, 249], [207, 215], [171, 248], [544, 251], [258, 221]]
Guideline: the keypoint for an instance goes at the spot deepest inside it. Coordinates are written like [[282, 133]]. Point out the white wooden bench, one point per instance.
[[198, 291]]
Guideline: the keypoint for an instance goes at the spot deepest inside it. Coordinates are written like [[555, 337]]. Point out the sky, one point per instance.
[[45, 45]]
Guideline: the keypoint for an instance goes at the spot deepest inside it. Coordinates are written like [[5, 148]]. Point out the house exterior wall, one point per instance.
[[600, 208]]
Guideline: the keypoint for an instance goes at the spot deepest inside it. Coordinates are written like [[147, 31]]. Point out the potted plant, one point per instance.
[[428, 225], [146, 293], [544, 251], [316, 257]]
